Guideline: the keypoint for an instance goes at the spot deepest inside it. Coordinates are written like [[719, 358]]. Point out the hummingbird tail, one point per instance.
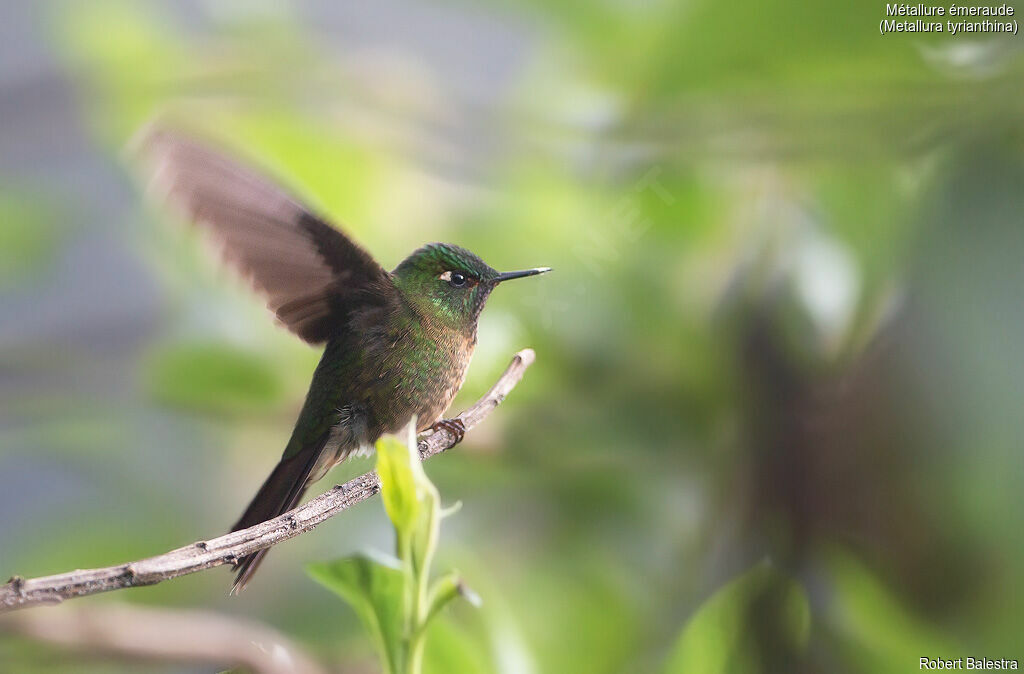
[[281, 492]]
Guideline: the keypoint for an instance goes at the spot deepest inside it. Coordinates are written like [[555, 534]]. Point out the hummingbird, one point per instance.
[[396, 345]]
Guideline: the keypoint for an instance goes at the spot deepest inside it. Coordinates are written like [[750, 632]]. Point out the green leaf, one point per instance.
[[717, 638], [375, 592], [410, 498], [451, 647], [398, 484], [443, 591], [879, 633]]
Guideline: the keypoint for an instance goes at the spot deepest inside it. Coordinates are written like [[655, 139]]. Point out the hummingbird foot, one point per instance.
[[453, 426]]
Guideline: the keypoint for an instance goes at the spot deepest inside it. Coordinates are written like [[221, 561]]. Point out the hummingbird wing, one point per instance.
[[309, 272]]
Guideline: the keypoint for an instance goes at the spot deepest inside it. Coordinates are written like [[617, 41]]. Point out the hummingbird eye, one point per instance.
[[456, 279]]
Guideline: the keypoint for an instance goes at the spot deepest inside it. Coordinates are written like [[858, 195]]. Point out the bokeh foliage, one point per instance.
[[783, 324]]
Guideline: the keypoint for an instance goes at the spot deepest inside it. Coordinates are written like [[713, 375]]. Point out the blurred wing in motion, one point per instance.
[[308, 271]]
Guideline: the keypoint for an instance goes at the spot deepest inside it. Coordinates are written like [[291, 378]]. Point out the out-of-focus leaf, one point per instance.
[[397, 484], [452, 648], [442, 592], [376, 593], [878, 633], [601, 606], [410, 498], [718, 637], [214, 378]]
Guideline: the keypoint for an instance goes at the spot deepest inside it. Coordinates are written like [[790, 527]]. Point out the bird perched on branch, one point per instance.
[[397, 344]]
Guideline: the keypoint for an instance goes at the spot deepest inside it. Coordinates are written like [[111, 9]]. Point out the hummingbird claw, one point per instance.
[[455, 427]]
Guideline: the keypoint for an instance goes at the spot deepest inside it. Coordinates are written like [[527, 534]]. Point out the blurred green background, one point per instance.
[[776, 416]]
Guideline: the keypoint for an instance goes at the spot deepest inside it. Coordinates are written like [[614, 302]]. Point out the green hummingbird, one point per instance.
[[396, 344]]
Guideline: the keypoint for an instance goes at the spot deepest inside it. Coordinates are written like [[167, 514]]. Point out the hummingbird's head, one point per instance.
[[450, 283]]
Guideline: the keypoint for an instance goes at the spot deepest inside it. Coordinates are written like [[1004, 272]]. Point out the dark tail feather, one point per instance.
[[281, 492]]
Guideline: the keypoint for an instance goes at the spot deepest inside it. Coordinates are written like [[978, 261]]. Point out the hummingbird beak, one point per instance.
[[509, 275]]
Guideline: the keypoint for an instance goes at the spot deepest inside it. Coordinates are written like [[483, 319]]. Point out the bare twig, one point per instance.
[[201, 555], [136, 633]]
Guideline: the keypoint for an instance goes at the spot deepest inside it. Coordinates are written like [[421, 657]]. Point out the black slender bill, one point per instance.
[[509, 275]]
